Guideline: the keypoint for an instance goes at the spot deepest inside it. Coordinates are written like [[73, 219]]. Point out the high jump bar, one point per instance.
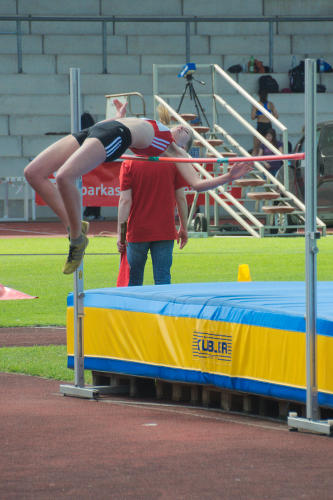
[[292, 156]]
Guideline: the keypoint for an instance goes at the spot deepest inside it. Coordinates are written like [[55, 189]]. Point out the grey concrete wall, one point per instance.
[[170, 8], [36, 102]]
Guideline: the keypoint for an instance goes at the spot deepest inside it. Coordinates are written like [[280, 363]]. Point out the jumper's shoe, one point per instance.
[[84, 226], [76, 253]]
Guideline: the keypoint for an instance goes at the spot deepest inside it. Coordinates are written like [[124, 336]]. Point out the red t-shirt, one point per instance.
[[153, 185]]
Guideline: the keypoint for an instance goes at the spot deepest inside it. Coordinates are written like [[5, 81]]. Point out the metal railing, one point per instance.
[[258, 228], [20, 185], [270, 177], [284, 188], [215, 69], [186, 20], [244, 123]]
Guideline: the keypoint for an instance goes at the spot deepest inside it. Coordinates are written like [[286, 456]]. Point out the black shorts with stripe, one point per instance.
[[114, 136], [263, 127]]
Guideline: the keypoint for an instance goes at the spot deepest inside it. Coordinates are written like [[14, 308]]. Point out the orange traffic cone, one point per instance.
[[11, 294]]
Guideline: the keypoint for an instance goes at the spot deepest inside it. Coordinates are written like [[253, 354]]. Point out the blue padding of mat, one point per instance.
[[279, 304], [198, 377]]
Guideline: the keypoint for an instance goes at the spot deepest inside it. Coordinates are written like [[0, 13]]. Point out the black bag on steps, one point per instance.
[[296, 78]]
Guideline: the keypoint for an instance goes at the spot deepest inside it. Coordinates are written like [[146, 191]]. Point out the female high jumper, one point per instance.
[[79, 153]]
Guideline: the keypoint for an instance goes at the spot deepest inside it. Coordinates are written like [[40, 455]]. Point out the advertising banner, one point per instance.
[[100, 188]]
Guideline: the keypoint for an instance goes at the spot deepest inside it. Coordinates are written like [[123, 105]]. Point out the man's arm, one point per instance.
[[182, 213], [124, 208]]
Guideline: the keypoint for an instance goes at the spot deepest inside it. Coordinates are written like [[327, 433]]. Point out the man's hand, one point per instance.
[[121, 108], [240, 169], [121, 246], [182, 238], [122, 230]]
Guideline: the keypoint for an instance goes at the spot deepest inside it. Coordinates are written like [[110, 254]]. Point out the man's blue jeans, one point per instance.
[[161, 256]]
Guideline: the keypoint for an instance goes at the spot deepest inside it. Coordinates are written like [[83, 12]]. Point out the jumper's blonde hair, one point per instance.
[[163, 114], [165, 118]]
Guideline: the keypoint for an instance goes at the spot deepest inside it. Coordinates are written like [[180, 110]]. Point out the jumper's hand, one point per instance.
[[240, 169], [121, 108]]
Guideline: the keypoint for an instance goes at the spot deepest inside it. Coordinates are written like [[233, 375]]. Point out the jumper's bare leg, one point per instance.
[[40, 168], [89, 156]]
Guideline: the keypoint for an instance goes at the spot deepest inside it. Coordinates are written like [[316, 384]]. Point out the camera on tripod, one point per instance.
[[188, 69], [187, 72]]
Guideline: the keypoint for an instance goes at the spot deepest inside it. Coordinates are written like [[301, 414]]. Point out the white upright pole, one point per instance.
[[79, 389], [311, 422], [311, 239], [75, 95]]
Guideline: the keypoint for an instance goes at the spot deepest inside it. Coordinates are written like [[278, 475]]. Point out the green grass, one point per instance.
[[202, 260], [41, 275], [41, 361]]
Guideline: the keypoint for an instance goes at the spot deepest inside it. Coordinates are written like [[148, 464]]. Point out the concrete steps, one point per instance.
[[26, 115], [37, 102]]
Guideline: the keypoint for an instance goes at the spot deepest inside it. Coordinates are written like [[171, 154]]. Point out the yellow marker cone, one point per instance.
[[244, 273]]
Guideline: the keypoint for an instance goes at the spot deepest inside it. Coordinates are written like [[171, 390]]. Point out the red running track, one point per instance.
[[119, 448], [61, 447], [51, 229]]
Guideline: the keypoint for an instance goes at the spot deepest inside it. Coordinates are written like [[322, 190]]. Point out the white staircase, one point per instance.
[[265, 206]]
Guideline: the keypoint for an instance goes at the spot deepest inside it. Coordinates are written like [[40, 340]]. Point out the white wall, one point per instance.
[[36, 102]]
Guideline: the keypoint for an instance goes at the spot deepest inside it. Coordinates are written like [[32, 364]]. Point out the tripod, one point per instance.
[[193, 96]]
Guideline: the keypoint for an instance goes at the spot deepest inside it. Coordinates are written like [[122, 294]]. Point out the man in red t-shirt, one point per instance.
[[148, 195]]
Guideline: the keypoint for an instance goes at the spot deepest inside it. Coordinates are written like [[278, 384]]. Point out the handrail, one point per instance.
[[257, 134], [269, 176], [217, 153], [22, 182], [228, 208], [246, 95], [249, 98], [173, 19], [217, 99], [206, 174], [247, 125], [183, 122], [263, 110]]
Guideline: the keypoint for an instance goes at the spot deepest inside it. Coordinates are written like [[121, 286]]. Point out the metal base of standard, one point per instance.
[[296, 423], [92, 392]]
